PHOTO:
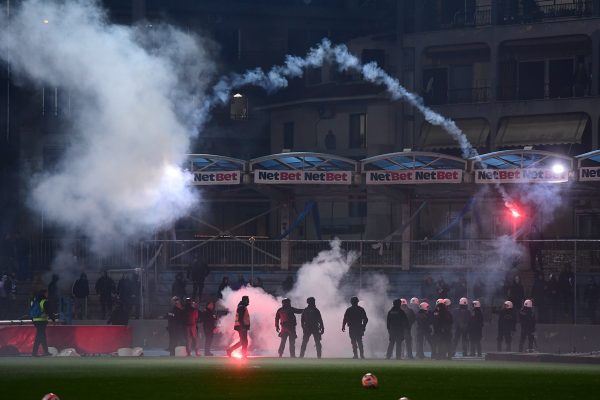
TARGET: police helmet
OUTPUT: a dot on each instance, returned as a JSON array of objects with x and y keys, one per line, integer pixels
[
  {"x": 354, "y": 300},
  {"x": 463, "y": 301},
  {"x": 528, "y": 303}
]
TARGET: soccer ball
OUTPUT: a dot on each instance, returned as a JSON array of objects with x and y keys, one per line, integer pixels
[
  {"x": 403, "y": 398},
  {"x": 369, "y": 381},
  {"x": 50, "y": 396}
]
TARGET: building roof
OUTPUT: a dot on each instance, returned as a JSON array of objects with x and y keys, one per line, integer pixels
[
  {"x": 211, "y": 162},
  {"x": 305, "y": 161},
  {"x": 412, "y": 160}
]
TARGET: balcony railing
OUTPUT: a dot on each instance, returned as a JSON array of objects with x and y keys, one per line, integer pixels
[
  {"x": 538, "y": 11},
  {"x": 548, "y": 91},
  {"x": 463, "y": 95}
]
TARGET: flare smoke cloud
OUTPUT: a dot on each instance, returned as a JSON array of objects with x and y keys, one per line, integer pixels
[
  {"x": 133, "y": 91},
  {"x": 324, "y": 278}
]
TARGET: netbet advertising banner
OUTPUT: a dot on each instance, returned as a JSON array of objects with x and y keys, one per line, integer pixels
[
  {"x": 217, "y": 178},
  {"x": 520, "y": 175},
  {"x": 589, "y": 174},
  {"x": 412, "y": 177},
  {"x": 303, "y": 177}
]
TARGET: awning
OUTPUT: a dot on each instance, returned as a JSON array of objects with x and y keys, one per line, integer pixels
[
  {"x": 541, "y": 129},
  {"x": 434, "y": 137}
]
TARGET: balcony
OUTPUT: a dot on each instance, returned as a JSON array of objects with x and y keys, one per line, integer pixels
[
  {"x": 540, "y": 11},
  {"x": 459, "y": 96}
]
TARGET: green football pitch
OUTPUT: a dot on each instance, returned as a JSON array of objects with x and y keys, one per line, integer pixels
[{"x": 264, "y": 378}]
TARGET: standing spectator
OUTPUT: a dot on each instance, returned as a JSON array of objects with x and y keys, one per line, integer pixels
[
  {"x": 407, "y": 336},
  {"x": 553, "y": 297},
  {"x": 397, "y": 325},
  {"x": 460, "y": 288},
  {"x": 506, "y": 325},
  {"x": 242, "y": 326},
  {"x": 209, "y": 323},
  {"x": 197, "y": 272},
  {"x": 535, "y": 248},
  {"x": 566, "y": 287},
  {"x": 190, "y": 312},
  {"x": 39, "y": 311},
  {"x": 527, "y": 321},
  {"x": 476, "y": 329},
  {"x": 356, "y": 319},
  {"x": 81, "y": 291},
  {"x": 442, "y": 289},
  {"x": 285, "y": 325},
  {"x": 178, "y": 287},
  {"x": 258, "y": 283},
  {"x": 222, "y": 286},
  {"x": 105, "y": 288},
  {"x": 175, "y": 325},
  {"x": 461, "y": 326},
  {"x": 11, "y": 288},
  {"x": 424, "y": 322},
  {"x": 125, "y": 292},
  {"x": 241, "y": 282},
  {"x": 591, "y": 293}
]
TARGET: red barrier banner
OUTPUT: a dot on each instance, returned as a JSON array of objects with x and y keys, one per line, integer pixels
[{"x": 85, "y": 339}]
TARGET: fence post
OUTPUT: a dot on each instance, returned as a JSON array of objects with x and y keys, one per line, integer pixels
[{"x": 575, "y": 282}]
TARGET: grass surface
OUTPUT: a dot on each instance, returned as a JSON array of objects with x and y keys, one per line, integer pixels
[{"x": 220, "y": 378}]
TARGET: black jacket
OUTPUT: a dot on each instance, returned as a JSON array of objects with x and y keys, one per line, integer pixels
[
  {"x": 462, "y": 317},
  {"x": 442, "y": 321},
  {"x": 476, "y": 325},
  {"x": 356, "y": 318},
  {"x": 311, "y": 320},
  {"x": 527, "y": 321},
  {"x": 506, "y": 321},
  {"x": 286, "y": 317},
  {"x": 81, "y": 288},
  {"x": 397, "y": 321},
  {"x": 424, "y": 321}
]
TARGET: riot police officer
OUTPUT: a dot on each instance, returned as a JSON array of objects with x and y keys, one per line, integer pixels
[
  {"x": 461, "y": 326},
  {"x": 506, "y": 325},
  {"x": 356, "y": 319},
  {"x": 397, "y": 325},
  {"x": 312, "y": 325},
  {"x": 424, "y": 321},
  {"x": 527, "y": 320},
  {"x": 476, "y": 329}
]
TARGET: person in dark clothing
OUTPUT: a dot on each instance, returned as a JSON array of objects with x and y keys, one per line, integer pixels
[
  {"x": 209, "y": 323},
  {"x": 461, "y": 326},
  {"x": 242, "y": 326},
  {"x": 81, "y": 291},
  {"x": 175, "y": 325},
  {"x": 424, "y": 322},
  {"x": 410, "y": 316},
  {"x": 178, "y": 287},
  {"x": 442, "y": 331},
  {"x": 442, "y": 289},
  {"x": 566, "y": 287},
  {"x": 224, "y": 284},
  {"x": 553, "y": 297},
  {"x": 287, "y": 284},
  {"x": 40, "y": 311},
  {"x": 476, "y": 329},
  {"x": 479, "y": 289},
  {"x": 285, "y": 325},
  {"x": 527, "y": 320},
  {"x": 428, "y": 288},
  {"x": 125, "y": 292},
  {"x": 506, "y": 325},
  {"x": 397, "y": 325},
  {"x": 312, "y": 325},
  {"x": 535, "y": 249},
  {"x": 119, "y": 315},
  {"x": 197, "y": 272},
  {"x": 105, "y": 288},
  {"x": 190, "y": 318},
  {"x": 356, "y": 319},
  {"x": 591, "y": 294}
]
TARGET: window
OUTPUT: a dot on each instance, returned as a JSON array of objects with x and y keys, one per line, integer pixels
[
  {"x": 288, "y": 135},
  {"x": 358, "y": 131}
]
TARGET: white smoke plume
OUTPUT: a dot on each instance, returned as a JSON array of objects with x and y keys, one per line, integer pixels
[
  {"x": 134, "y": 91},
  {"x": 324, "y": 279}
]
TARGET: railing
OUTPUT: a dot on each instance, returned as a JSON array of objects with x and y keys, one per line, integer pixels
[
  {"x": 548, "y": 91},
  {"x": 171, "y": 254},
  {"x": 540, "y": 11},
  {"x": 465, "y": 18}
]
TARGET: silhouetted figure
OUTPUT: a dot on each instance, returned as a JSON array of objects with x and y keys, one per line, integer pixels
[
  {"x": 506, "y": 325},
  {"x": 53, "y": 295},
  {"x": 40, "y": 309},
  {"x": 105, "y": 288},
  {"x": 476, "y": 329},
  {"x": 356, "y": 319},
  {"x": 287, "y": 284},
  {"x": 312, "y": 325},
  {"x": 242, "y": 326},
  {"x": 407, "y": 336},
  {"x": 516, "y": 292},
  {"x": 581, "y": 79},
  {"x": 81, "y": 291},
  {"x": 330, "y": 141},
  {"x": 285, "y": 325},
  {"x": 462, "y": 318},
  {"x": 527, "y": 320},
  {"x": 190, "y": 318},
  {"x": 424, "y": 322},
  {"x": 538, "y": 295},
  {"x": 178, "y": 288},
  {"x": 224, "y": 284},
  {"x": 209, "y": 323},
  {"x": 566, "y": 287},
  {"x": 197, "y": 272},
  {"x": 442, "y": 331},
  {"x": 397, "y": 325},
  {"x": 125, "y": 292},
  {"x": 175, "y": 324}
]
